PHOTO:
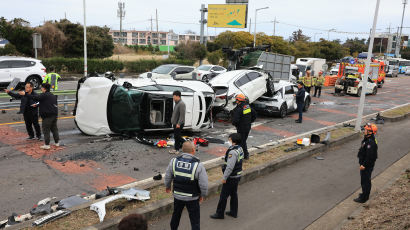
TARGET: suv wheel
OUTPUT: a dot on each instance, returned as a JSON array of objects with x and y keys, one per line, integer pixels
[
  {"x": 374, "y": 91},
  {"x": 35, "y": 81},
  {"x": 283, "y": 110},
  {"x": 270, "y": 88},
  {"x": 307, "y": 105}
]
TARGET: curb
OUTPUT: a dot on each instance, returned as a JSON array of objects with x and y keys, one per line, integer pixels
[
  {"x": 164, "y": 207},
  {"x": 397, "y": 118}
]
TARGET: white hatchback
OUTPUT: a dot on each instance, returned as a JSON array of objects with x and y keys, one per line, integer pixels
[
  {"x": 172, "y": 71},
  {"x": 25, "y": 69},
  {"x": 207, "y": 72}
]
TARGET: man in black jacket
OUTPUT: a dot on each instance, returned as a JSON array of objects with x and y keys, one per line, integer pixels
[
  {"x": 242, "y": 118},
  {"x": 300, "y": 101},
  {"x": 48, "y": 112},
  {"x": 367, "y": 158},
  {"x": 29, "y": 109}
]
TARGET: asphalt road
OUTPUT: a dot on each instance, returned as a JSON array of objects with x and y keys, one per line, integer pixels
[
  {"x": 89, "y": 164},
  {"x": 295, "y": 196}
]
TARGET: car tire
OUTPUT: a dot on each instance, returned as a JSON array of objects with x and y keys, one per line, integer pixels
[
  {"x": 270, "y": 88},
  {"x": 374, "y": 91},
  {"x": 380, "y": 85},
  {"x": 359, "y": 92},
  {"x": 36, "y": 81},
  {"x": 306, "y": 105},
  {"x": 338, "y": 90},
  {"x": 283, "y": 110}
]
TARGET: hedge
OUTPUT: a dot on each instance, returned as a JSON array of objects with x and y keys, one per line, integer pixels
[{"x": 76, "y": 65}]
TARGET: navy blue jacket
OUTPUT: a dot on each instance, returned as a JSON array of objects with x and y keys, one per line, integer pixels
[
  {"x": 300, "y": 96},
  {"x": 26, "y": 102}
]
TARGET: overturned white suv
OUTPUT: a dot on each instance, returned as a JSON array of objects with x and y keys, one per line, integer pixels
[{"x": 130, "y": 106}]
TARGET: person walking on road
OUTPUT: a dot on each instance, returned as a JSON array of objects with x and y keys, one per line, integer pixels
[
  {"x": 367, "y": 158},
  {"x": 307, "y": 81},
  {"x": 48, "y": 112},
  {"x": 232, "y": 170},
  {"x": 178, "y": 121},
  {"x": 52, "y": 79},
  {"x": 318, "y": 84},
  {"x": 300, "y": 101},
  {"x": 190, "y": 185},
  {"x": 242, "y": 118},
  {"x": 29, "y": 109}
]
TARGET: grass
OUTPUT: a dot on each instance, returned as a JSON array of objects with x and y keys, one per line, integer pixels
[
  {"x": 85, "y": 217},
  {"x": 135, "y": 57},
  {"x": 397, "y": 112}
]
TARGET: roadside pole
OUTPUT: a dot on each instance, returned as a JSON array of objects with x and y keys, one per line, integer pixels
[
  {"x": 203, "y": 22},
  {"x": 366, "y": 71},
  {"x": 85, "y": 42}
]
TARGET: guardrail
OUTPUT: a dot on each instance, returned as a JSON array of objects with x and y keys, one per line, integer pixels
[
  {"x": 65, "y": 102},
  {"x": 58, "y": 92}
]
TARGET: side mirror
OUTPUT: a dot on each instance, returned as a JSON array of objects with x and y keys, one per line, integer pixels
[
  {"x": 173, "y": 75},
  {"x": 149, "y": 75}
]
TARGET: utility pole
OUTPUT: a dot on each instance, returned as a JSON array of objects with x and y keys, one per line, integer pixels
[
  {"x": 274, "y": 27},
  {"x": 254, "y": 35},
  {"x": 121, "y": 15},
  {"x": 202, "y": 29},
  {"x": 398, "y": 45},
  {"x": 250, "y": 25},
  {"x": 328, "y": 33},
  {"x": 366, "y": 71},
  {"x": 85, "y": 42},
  {"x": 151, "y": 31},
  {"x": 156, "y": 18}
]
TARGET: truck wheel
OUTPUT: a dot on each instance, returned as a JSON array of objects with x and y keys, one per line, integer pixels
[
  {"x": 307, "y": 105},
  {"x": 380, "y": 85},
  {"x": 338, "y": 90},
  {"x": 270, "y": 88},
  {"x": 283, "y": 110},
  {"x": 374, "y": 91},
  {"x": 359, "y": 92},
  {"x": 35, "y": 81}
]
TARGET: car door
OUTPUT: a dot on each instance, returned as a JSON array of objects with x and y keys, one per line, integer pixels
[
  {"x": 5, "y": 76},
  {"x": 20, "y": 69},
  {"x": 289, "y": 98},
  {"x": 258, "y": 84}
]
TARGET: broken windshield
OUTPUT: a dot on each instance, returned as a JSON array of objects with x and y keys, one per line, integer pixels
[
  {"x": 123, "y": 110},
  {"x": 163, "y": 69}
]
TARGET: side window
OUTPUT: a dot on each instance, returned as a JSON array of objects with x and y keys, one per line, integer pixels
[
  {"x": 289, "y": 90},
  {"x": 253, "y": 75},
  {"x": 242, "y": 81},
  {"x": 189, "y": 69},
  {"x": 4, "y": 64},
  {"x": 295, "y": 89},
  {"x": 183, "y": 70},
  {"x": 20, "y": 64}
]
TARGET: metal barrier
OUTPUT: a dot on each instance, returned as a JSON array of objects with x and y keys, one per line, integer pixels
[{"x": 9, "y": 105}]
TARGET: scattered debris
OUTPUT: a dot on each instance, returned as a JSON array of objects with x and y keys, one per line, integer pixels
[
  {"x": 319, "y": 158},
  {"x": 70, "y": 202},
  {"x": 136, "y": 169},
  {"x": 292, "y": 148},
  {"x": 157, "y": 177},
  {"x": 119, "y": 207},
  {"x": 51, "y": 217},
  {"x": 314, "y": 138},
  {"x": 141, "y": 194},
  {"x": 3, "y": 111},
  {"x": 99, "y": 207},
  {"x": 327, "y": 139},
  {"x": 41, "y": 209},
  {"x": 379, "y": 119},
  {"x": 348, "y": 125}
]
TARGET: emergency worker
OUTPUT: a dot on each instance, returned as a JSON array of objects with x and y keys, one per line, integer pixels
[
  {"x": 52, "y": 79},
  {"x": 367, "y": 158},
  {"x": 318, "y": 84},
  {"x": 232, "y": 170},
  {"x": 307, "y": 82},
  {"x": 190, "y": 185},
  {"x": 242, "y": 118}
]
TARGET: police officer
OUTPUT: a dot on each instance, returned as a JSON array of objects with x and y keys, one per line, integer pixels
[
  {"x": 319, "y": 83},
  {"x": 367, "y": 157},
  {"x": 300, "y": 101},
  {"x": 52, "y": 79},
  {"x": 190, "y": 185},
  {"x": 232, "y": 170},
  {"x": 307, "y": 81},
  {"x": 242, "y": 118}
]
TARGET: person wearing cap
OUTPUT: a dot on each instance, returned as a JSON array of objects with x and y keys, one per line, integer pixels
[
  {"x": 300, "y": 101},
  {"x": 190, "y": 185},
  {"x": 242, "y": 118},
  {"x": 367, "y": 158},
  {"x": 319, "y": 83},
  {"x": 232, "y": 171}
]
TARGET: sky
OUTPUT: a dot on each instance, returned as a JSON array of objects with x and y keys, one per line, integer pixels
[{"x": 183, "y": 15}]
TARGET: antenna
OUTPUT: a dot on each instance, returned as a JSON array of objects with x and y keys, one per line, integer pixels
[{"x": 121, "y": 15}]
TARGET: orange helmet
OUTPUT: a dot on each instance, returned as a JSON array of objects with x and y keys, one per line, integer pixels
[
  {"x": 240, "y": 97},
  {"x": 371, "y": 128}
]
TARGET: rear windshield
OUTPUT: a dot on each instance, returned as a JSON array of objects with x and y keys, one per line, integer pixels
[
  {"x": 220, "y": 90},
  {"x": 124, "y": 110},
  {"x": 163, "y": 69},
  {"x": 205, "y": 67}
]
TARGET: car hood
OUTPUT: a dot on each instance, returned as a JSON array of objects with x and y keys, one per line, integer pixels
[{"x": 154, "y": 75}]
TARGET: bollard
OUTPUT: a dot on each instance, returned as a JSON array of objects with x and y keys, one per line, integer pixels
[{"x": 65, "y": 104}]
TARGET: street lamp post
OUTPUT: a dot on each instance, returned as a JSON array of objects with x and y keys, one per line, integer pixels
[
  {"x": 366, "y": 70},
  {"x": 398, "y": 46},
  {"x": 314, "y": 36},
  {"x": 328, "y": 33},
  {"x": 254, "y": 34},
  {"x": 85, "y": 42}
]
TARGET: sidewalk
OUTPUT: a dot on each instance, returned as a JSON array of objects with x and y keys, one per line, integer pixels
[{"x": 295, "y": 196}]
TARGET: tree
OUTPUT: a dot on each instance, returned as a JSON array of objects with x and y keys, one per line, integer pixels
[
  {"x": 99, "y": 42},
  {"x": 355, "y": 45},
  {"x": 298, "y": 36},
  {"x": 212, "y": 46},
  {"x": 277, "y": 44},
  {"x": 405, "y": 53},
  {"x": 74, "y": 45},
  {"x": 53, "y": 40},
  {"x": 329, "y": 50},
  {"x": 19, "y": 33},
  {"x": 9, "y": 49},
  {"x": 190, "y": 50},
  {"x": 215, "y": 57},
  {"x": 234, "y": 40}
]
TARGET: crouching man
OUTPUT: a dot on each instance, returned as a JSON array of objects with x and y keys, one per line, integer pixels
[{"x": 190, "y": 185}]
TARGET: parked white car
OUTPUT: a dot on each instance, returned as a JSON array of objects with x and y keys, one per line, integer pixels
[
  {"x": 25, "y": 69},
  {"x": 139, "y": 105},
  {"x": 354, "y": 86},
  {"x": 172, "y": 71},
  {"x": 408, "y": 71},
  {"x": 282, "y": 102},
  {"x": 251, "y": 83},
  {"x": 207, "y": 72}
]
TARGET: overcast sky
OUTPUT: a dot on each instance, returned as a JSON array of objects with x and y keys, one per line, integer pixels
[{"x": 182, "y": 15}]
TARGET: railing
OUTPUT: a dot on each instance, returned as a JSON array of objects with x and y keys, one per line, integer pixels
[{"x": 16, "y": 104}]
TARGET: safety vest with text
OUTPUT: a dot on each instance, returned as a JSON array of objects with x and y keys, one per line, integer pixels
[
  {"x": 184, "y": 170},
  {"x": 237, "y": 170}
]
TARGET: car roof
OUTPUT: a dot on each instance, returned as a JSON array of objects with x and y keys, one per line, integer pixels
[
  {"x": 176, "y": 65},
  {"x": 226, "y": 77},
  {"x": 282, "y": 84},
  {"x": 17, "y": 58}
]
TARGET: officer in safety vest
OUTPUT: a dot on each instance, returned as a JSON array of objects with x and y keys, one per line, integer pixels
[
  {"x": 52, "y": 79},
  {"x": 242, "y": 118},
  {"x": 367, "y": 158},
  {"x": 190, "y": 185},
  {"x": 319, "y": 83},
  {"x": 307, "y": 81},
  {"x": 232, "y": 170}
]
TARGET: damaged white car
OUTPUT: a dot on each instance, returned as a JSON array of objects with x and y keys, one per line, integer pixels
[{"x": 130, "y": 106}]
